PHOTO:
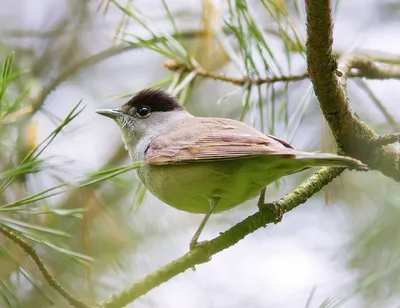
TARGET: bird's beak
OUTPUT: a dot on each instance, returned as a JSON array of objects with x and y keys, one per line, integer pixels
[{"x": 110, "y": 113}]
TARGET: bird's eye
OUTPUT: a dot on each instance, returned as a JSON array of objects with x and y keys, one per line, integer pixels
[{"x": 143, "y": 112}]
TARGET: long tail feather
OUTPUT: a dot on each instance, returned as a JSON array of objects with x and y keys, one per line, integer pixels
[{"x": 325, "y": 159}]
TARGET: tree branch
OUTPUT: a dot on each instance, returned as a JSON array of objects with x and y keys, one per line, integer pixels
[
  {"x": 388, "y": 139},
  {"x": 29, "y": 250},
  {"x": 204, "y": 251},
  {"x": 376, "y": 56},
  {"x": 239, "y": 81},
  {"x": 353, "y": 136},
  {"x": 365, "y": 68}
]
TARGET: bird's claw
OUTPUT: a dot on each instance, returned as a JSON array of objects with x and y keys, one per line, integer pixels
[
  {"x": 200, "y": 245},
  {"x": 195, "y": 244},
  {"x": 272, "y": 208}
]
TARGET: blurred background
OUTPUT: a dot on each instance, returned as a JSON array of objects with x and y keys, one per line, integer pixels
[{"x": 340, "y": 249}]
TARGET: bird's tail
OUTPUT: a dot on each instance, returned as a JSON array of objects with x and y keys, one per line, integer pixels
[{"x": 325, "y": 159}]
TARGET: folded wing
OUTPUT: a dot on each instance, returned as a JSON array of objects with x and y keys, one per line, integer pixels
[{"x": 205, "y": 139}]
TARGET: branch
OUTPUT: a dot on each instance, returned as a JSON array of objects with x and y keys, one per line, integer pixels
[
  {"x": 365, "y": 68},
  {"x": 203, "y": 252},
  {"x": 388, "y": 139},
  {"x": 42, "y": 268},
  {"x": 353, "y": 136},
  {"x": 175, "y": 66},
  {"x": 376, "y": 56}
]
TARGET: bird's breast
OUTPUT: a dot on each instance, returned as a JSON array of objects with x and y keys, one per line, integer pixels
[{"x": 189, "y": 187}]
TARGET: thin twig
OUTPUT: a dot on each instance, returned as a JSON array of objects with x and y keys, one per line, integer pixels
[
  {"x": 375, "y": 55},
  {"x": 42, "y": 268},
  {"x": 388, "y": 139},
  {"x": 239, "y": 81},
  {"x": 204, "y": 251},
  {"x": 367, "y": 68}
]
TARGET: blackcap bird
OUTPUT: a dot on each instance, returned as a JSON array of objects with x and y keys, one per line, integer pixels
[{"x": 205, "y": 165}]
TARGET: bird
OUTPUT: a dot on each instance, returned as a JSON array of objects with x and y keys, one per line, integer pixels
[{"x": 206, "y": 165}]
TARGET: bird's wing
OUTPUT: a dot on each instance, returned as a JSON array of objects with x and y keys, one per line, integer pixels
[{"x": 204, "y": 139}]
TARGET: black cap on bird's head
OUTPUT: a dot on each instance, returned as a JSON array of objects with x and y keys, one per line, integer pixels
[
  {"x": 143, "y": 103},
  {"x": 156, "y": 99}
]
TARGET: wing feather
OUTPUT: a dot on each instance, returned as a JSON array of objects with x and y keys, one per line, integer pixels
[{"x": 205, "y": 139}]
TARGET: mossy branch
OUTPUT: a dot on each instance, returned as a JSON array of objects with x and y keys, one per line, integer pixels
[{"x": 353, "y": 136}]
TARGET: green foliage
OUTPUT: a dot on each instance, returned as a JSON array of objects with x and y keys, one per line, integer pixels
[{"x": 18, "y": 213}]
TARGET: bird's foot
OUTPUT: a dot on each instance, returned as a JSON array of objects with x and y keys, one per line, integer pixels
[
  {"x": 273, "y": 208},
  {"x": 200, "y": 245},
  {"x": 194, "y": 244}
]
